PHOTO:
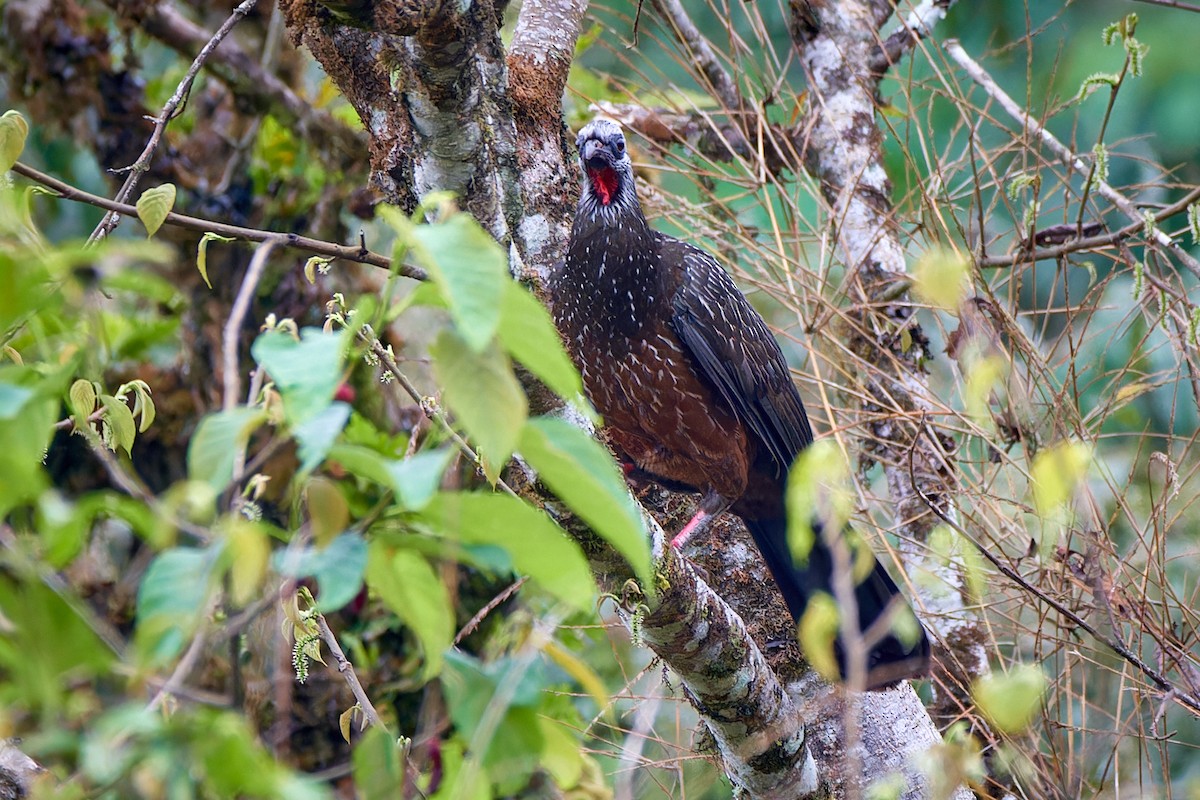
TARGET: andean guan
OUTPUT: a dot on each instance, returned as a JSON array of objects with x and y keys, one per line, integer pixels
[{"x": 694, "y": 389}]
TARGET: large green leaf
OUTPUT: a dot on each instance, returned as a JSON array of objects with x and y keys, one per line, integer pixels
[
  {"x": 317, "y": 434},
  {"x": 469, "y": 267},
  {"x": 26, "y": 427},
  {"x": 217, "y": 440},
  {"x": 484, "y": 394},
  {"x": 171, "y": 598},
  {"x": 413, "y": 479},
  {"x": 538, "y": 547},
  {"x": 410, "y": 587},
  {"x": 416, "y": 478},
  {"x": 472, "y": 688},
  {"x": 13, "y": 399},
  {"x": 13, "y": 131},
  {"x": 528, "y": 334},
  {"x": 585, "y": 477},
  {"x": 378, "y": 766},
  {"x": 338, "y": 568},
  {"x": 307, "y": 373},
  {"x": 47, "y": 649},
  {"x": 154, "y": 205}
]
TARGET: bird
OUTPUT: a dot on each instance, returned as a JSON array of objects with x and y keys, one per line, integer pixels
[{"x": 695, "y": 392}]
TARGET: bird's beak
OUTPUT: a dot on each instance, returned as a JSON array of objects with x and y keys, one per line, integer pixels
[{"x": 595, "y": 154}]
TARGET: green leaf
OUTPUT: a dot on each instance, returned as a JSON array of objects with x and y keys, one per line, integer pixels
[
  {"x": 415, "y": 479},
  {"x": 561, "y": 755},
  {"x": 13, "y": 399},
  {"x": 317, "y": 434},
  {"x": 472, "y": 689},
  {"x": 1010, "y": 700},
  {"x": 817, "y": 491},
  {"x": 363, "y": 462},
  {"x": 818, "y": 630},
  {"x": 119, "y": 419},
  {"x": 483, "y": 393},
  {"x": 216, "y": 443},
  {"x": 202, "y": 253},
  {"x": 467, "y": 264},
  {"x": 1056, "y": 472},
  {"x": 327, "y": 510},
  {"x": 584, "y": 476},
  {"x": 338, "y": 569},
  {"x": 528, "y": 334},
  {"x": 82, "y": 398},
  {"x": 172, "y": 597},
  {"x": 154, "y": 205},
  {"x": 307, "y": 373},
  {"x": 538, "y": 547},
  {"x": 26, "y": 427},
  {"x": 409, "y": 586},
  {"x": 48, "y": 650},
  {"x": 942, "y": 278},
  {"x": 378, "y": 761},
  {"x": 13, "y": 132},
  {"x": 249, "y": 549}
]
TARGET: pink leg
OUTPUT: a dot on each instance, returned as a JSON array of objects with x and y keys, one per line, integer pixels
[{"x": 697, "y": 522}]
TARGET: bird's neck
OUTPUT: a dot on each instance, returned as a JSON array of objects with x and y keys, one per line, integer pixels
[{"x": 613, "y": 268}]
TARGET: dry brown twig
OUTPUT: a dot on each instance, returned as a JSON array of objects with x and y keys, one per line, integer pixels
[
  {"x": 137, "y": 168},
  {"x": 358, "y": 254}
]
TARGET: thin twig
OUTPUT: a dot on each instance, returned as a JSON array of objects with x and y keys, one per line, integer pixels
[
  {"x": 1186, "y": 700},
  {"x": 702, "y": 53},
  {"x": 182, "y": 669},
  {"x": 1173, "y": 4},
  {"x": 1023, "y": 256},
  {"x": 480, "y": 615},
  {"x": 347, "y": 670},
  {"x": 52, "y": 580},
  {"x": 246, "y": 76},
  {"x": 916, "y": 26},
  {"x": 241, "y": 305},
  {"x": 142, "y": 165},
  {"x": 1032, "y": 126},
  {"x": 319, "y": 247},
  {"x": 389, "y": 363},
  {"x": 132, "y": 485}
]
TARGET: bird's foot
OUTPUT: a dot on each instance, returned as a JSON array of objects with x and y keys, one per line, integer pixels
[{"x": 697, "y": 523}]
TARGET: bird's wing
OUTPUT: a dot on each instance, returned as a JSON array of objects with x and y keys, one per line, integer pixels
[{"x": 735, "y": 351}]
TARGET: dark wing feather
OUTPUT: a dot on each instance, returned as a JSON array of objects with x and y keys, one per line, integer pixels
[{"x": 734, "y": 350}]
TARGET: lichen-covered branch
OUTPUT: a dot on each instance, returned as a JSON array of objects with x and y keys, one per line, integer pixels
[
  {"x": 845, "y": 154},
  {"x": 543, "y": 46}
]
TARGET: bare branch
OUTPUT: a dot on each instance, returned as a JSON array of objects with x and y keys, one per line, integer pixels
[
  {"x": 111, "y": 221},
  {"x": 1171, "y": 692},
  {"x": 701, "y": 51},
  {"x": 231, "y": 373},
  {"x": 316, "y": 246},
  {"x": 1030, "y": 125},
  {"x": 347, "y": 669},
  {"x": 247, "y": 77},
  {"x": 916, "y": 26}
]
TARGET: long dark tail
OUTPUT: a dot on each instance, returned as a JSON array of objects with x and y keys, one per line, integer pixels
[{"x": 889, "y": 660}]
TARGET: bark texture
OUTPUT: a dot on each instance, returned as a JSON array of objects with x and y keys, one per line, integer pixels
[
  {"x": 445, "y": 108},
  {"x": 843, "y": 149}
]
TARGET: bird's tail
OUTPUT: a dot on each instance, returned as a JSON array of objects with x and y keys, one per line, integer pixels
[{"x": 892, "y": 657}]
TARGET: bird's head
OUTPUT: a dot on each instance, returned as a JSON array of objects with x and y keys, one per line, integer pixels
[{"x": 606, "y": 165}]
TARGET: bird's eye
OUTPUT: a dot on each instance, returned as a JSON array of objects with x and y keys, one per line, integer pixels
[{"x": 620, "y": 145}]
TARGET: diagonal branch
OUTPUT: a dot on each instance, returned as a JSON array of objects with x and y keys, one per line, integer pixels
[
  {"x": 135, "y": 170},
  {"x": 319, "y": 247},
  {"x": 1126, "y": 206},
  {"x": 246, "y": 76},
  {"x": 701, "y": 50}
]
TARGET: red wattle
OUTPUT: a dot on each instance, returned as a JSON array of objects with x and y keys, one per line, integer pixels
[{"x": 604, "y": 182}]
